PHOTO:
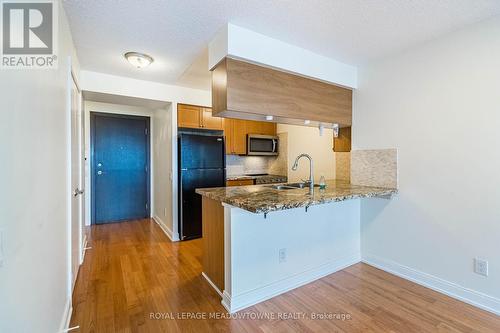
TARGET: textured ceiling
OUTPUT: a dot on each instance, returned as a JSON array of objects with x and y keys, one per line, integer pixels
[{"x": 176, "y": 32}]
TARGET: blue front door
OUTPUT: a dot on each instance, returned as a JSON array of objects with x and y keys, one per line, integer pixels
[{"x": 120, "y": 167}]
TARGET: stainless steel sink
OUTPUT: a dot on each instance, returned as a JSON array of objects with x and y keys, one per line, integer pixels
[
  {"x": 284, "y": 187},
  {"x": 291, "y": 186}
]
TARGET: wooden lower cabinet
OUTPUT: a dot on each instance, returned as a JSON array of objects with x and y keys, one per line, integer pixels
[
  {"x": 242, "y": 182},
  {"x": 213, "y": 241}
]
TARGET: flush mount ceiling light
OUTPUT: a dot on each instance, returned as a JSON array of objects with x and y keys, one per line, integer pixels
[{"x": 139, "y": 60}]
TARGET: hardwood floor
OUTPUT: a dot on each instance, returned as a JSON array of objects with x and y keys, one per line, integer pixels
[{"x": 135, "y": 280}]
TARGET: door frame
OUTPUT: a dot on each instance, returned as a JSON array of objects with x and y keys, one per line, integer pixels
[
  {"x": 71, "y": 246},
  {"x": 93, "y": 117}
]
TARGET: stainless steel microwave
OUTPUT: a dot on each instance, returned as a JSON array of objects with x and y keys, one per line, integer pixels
[{"x": 262, "y": 144}]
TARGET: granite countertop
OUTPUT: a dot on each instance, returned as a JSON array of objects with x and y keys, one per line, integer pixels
[
  {"x": 260, "y": 179},
  {"x": 264, "y": 199}
]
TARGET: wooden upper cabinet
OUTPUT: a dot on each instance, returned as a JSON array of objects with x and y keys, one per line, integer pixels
[
  {"x": 210, "y": 122},
  {"x": 239, "y": 139},
  {"x": 260, "y": 127},
  {"x": 188, "y": 116},
  {"x": 192, "y": 116},
  {"x": 268, "y": 128},
  {"x": 343, "y": 142},
  {"x": 235, "y": 130},
  {"x": 228, "y": 133},
  {"x": 243, "y": 90}
]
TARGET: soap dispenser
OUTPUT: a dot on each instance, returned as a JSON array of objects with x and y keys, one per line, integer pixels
[{"x": 322, "y": 183}]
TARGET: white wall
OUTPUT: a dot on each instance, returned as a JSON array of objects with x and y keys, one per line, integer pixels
[
  {"x": 303, "y": 139},
  {"x": 124, "y": 86},
  {"x": 240, "y": 43},
  {"x": 163, "y": 172},
  {"x": 439, "y": 105},
  {"x": 318, "y": 242},
  {"x": 35, "y": 193}
]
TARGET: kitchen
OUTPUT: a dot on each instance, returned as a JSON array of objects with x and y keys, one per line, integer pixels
[
  {"x": 214, "y": 166},
  {"x": 247, "y": 207}
]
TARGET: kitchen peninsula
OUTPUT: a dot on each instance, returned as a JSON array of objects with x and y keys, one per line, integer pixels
[{"x": 263, "y": 240}]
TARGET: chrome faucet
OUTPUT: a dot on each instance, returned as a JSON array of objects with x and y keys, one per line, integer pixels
[{"x": 311, "y": 170}]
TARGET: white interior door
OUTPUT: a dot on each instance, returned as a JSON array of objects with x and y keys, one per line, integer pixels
[{"x": 76, "y": 180}]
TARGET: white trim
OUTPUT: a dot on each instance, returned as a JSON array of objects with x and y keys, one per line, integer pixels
[
  {"x": 238, "y": 302},
  {"x": 173, "y": 176},
  {"x": 69, "y": 190},
  {"x": 84, "y": 248},
  {"x": 226, "y": 301},
  {"x": 173, "y": 237},
  {"x": 210, "y": 282},
  {"x": 451, "y": 289},
  {"x": 66, "y": 317}
]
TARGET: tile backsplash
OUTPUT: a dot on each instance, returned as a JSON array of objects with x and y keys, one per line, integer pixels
[
  {"x": 376, "y": 167},
  {"x": 240, "y": 165}
]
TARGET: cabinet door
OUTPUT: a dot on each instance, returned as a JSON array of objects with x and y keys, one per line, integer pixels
[
  {"x": 241, "y": 182},
  {"x": 210, "y": 122},
  {"x": 228, "y": 133},
  {"x": 268, "y": 128},
  {"x": 260, "y": 127},
  {"x": 188, "y": 116},
  {"x": 239, "y": 136},
  {"x": 343, "y": 142},
  {"x": 253, "y": 127}
]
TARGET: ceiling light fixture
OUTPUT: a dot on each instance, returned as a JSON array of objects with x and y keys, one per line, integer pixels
[
  {"x": 269, "y": 118},
  {"x": 139, "y": 60}
]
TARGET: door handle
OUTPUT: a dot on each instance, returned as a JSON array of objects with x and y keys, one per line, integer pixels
[
  {"x": 99, "y": 172},
  {"x": 78, "y": 191}
]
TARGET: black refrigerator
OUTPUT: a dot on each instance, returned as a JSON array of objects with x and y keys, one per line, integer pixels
[{"x": 202, "y": 163}]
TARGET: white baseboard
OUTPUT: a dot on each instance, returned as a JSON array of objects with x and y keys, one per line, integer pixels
[
  {"x": 66, "y": 317},
  {"x": 211, "y": 283},
  {"x": 451, "y": 289},
  {"x": 173, "y": 237},
  {"x": 236, "y": 303},
  {"x": 84, "y": 251}
]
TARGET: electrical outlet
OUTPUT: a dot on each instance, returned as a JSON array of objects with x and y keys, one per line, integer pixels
[
  {"x": 481, "y": 266},
  {"x": 282, "y": 256}
]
